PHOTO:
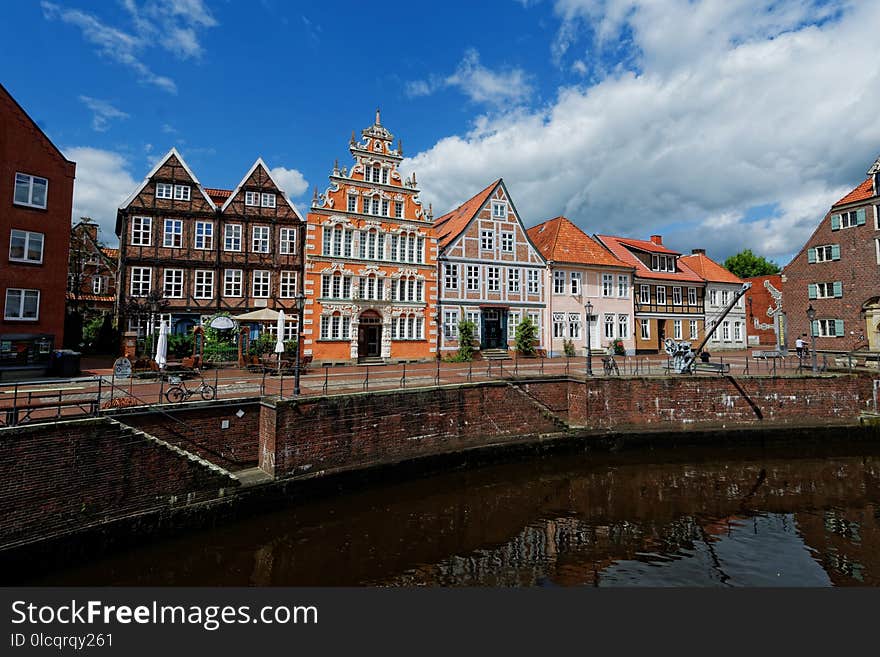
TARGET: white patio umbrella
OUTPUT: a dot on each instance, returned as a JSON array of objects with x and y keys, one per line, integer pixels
[
  {"x": 162, "y": 346},
  {"x": 279, "y": 340}
]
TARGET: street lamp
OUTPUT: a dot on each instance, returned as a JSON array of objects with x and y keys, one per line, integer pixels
[
  {"x": 811, "y": 315},
  {"x": 589, "y": 309},
  {"x": 300, "y": 304}
]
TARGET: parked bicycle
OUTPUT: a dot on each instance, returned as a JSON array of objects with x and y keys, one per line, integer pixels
[
  {"x": 609, "y": 365},
  {"x": 179, "y": 392}
]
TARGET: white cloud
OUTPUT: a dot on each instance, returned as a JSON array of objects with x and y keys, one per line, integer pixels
[
  {"x": 290, "y": 181},
  {"x": 477, "y": 82},
  {"x": 102, "y": 112},
  {"x": 102, "y": 183},
  {"x": 741, "y": 105}
]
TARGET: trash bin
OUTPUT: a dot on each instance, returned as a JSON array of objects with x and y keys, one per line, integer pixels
[{"x": 65, "y": 362}]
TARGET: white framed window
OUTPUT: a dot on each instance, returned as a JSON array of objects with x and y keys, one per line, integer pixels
[
  {"x": 287, "y": 284},
  {"x": 261, "y": 287},
  {"x": 232, "y": 282},
  {"x": 335, "y": 286},
  {"x": 173, "y": 234},
  {"x": 644, "y": 294},
  {"x": 825, "y": 290},
  {"x": 558, "y": 282},
  {"x": 662, "y": 262},
  {"x": 165, "y": 191},
  {"x": 694, "y": 334},
  {"x": 232, "y": 237},
  {"x": 622, "y": 286},
  {"x": 141, "y": 281},
  {"x": 661, "y": 295},
  {"x": 692, "y": 296},
  {"x": 371, "y": 287},
  {"x": 851, "y": 218},
  {"x": 725, "y": 331},
  {"x": 710, "y": 325},
  {"x": 100, "y": 284},
  {"x": 22, "y": 304},
  {"x": 513, "y": 280},
  {"x": 260, "y": 239},
  {"x": 25, "y": 246},
  {"x": 337, "y": 241},
  {"x": 335, "y": 327},
  {"x": 737, "y": 332},
  {"x": 645, "y": 328},
  {"x": 366, "y": 206},
  {"x": 493, "y": 279},
  {"x": 576, "y": 283},
  {"x": 623, "y": 326},
  {"x": 534, "y": 281},
  {"x": 473, "y": 316},
  {"x": 204, "y": 284},
  {"x": 287, "y": 241},
  {"x": 713, "y": 297},
  {"x": 499, "y": 210},
  {"x": 608, "y": 324},
  {"x": 507, "y": 242},
  {"x": 252, "y": 199},
  {"x": 725, "y": 297},
  {"x": 398, "y": 209},
  {"x": 31, "y": 191},
  {"x": 450, "y": 278},
  {"x": 676, "y": 296},
  {"x": 676, "y": 329},
  {"x": 267, "y": 200},
  {"x": 825, "y": 253},
  {"x": 204, "y": 235},
  {"x": 512, "y": 322},
  {"x": 535, "y": 318},
  {"x": 352, "y": 203},
  {"x": 828, "y": 328},
  {"x": 473, "y": 277},
  {"x": 558, "y": 325},
  {"x": 450, "y": 324},
  {"x": 374, "y": 206},
  {"x": 487, "y": 240},
  {"x": 384, "y": 207},
  {"x": 181, "y": 192},
  {"x": 607, "y": 285},
  {"x": 141, "y": 231},
  {"x": 172, "y": 285}
]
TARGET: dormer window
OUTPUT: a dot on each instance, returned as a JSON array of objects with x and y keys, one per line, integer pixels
[
  {"x": 662, "y": 263},
  {"x": 499, "y": 210},
  {"x": 181, "y": 192},
  {"x": 252, "y": 198},
  {"x": 267, "y": 200}
]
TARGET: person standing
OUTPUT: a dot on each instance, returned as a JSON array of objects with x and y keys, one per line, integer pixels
[{"x": 799, "y": 347}]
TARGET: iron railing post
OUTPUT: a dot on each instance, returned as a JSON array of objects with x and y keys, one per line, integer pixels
[
  {"x": 403, "y": 378},
  {"x": 326, "y": 378}
]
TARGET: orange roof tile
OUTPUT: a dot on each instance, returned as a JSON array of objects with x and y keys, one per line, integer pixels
[
  {"x": 218, "y": 194},
  {"x": 560, "y": 240},
  {"x": 618, "y": 246},
  {"x": 451, "y": 224},
  {"x": 708, "y": 269},
  {"x": 861, "y": 193},
  {"x": 113, "y": 254},
  {"x": 92, "y": 297}
]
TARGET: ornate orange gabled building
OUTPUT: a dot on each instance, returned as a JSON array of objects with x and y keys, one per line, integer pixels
[{"x": 371, "y": 259}]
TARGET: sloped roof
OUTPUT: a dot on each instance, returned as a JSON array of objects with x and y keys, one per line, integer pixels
[
  {"x": 618, "y": 246},
  {"x": 559, "y": 240},
  {"x": 91, "y": 297},
  {"x": 218, "y": 195},
  {"x": 113, "y": 254},
  {"x": 259, "y": 163},
  {"x": 451, "y": 224},
  {"x": 172, "y": 153},
  {"x": 708, "y": 269},
  {"x": 861, "y": 193}
]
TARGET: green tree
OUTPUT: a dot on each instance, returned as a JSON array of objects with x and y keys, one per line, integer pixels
[
  {"x": 466, "y": 332},
  {"x": 526, "y": 337},
  {"x": 746, "y": 264}
]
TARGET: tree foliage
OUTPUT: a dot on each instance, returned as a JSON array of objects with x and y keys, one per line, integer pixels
[
  {"x": 466, "y": 332},
  {"x": 746, "y": 264},
  {"x": 526, "y": 337}
]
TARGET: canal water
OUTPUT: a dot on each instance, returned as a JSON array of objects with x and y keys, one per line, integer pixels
[{"x": 695, "y": 517}]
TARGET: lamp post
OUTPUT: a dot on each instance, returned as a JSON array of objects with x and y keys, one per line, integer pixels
[
  {"x": 300, "y": 304},
  {"x": 589, "y": 308},
  {"x": 811, "y": 315}
]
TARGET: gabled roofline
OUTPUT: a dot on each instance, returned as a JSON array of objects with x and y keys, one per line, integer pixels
[
  {"x": 34, "y": 123},
  {"x": 259, "y": 162},
  {"x": 155, "y": 170}
]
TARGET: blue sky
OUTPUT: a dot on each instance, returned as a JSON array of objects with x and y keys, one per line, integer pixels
[{"x": 720, "y": 124}]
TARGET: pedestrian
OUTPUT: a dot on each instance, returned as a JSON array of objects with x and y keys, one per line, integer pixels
[{"x": 799, "y": 346}]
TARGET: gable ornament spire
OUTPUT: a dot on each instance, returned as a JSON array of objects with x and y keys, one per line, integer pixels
[{"x": 378, "y": 121}]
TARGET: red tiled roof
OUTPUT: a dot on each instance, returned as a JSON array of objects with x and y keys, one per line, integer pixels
[
  {"x": 92, "y": 297},
  {"x": 450, "y": 225},
  {"x": 708, "y": 269},
  {"x": 560, "y": 240},
  {"x": 618, "y": 246},
  {"x": 113, "y": 254},
  {"x": 861, "y": 193},
  {"x": 218, "y": 195}
]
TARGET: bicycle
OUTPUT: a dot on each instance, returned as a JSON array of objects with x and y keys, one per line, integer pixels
[
  {"x": 609, "y": 365},
  {"x": 179, "y": 392}
]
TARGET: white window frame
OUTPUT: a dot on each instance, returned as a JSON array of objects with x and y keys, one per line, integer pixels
[
  {"x": 232, "y": 236},
  {"x": 607, "y": 285},
  {"x": 100, "y": 284},
  {"x": 28, "y": 236},
  {"x": 398, "y": 209},
  {"x": 575, "y": 283},
  {"x": 252, "y": 199},
  {"x": 827, "y": 252},
  {"x": 351, "y": 203},
  {"x": 450, "y": 324},
  {"x": 508, "y": 239},
  {"x": 204, "y": 235},
  {"x": 203, "y": 287},
  {"x": 287, "y": 284},
  {"x": 694, "y": 330},
  {"x": 676, "y": 296},
  {"x": 677, "y": 329},
  {"x": 267, "y": 200},
  {"x": 172, "y": 283},
  {"x": 499, "y": 209},
  {"x": 660, "y": 292},
  {"x": 558, "y": 282},
  {"x": 30, "y": 181},
  {"x": 487, "y": 240},
  {"x": 559, "y": 325},
  {"x": 644, "y": 293},
  {"x": 261, "y": 284},
  {"x": 233, "y": 283},
  {"x": 141, "y": 231},
  {"x": 287, "y": 241},
  {"x": 172, "y": 239},
  {"x": 608, "y": 320},
  {"x": 493, "y": 279},
  {"x": 450, "y": 279},
  {"x": 623, "y": 326},
  {"x": 165, "y": 191},
  {"x": 692, "y": 296},
  {"x": 513, "y": 280},
  {"x": 623, "y": 286},
  {"x": 534, "y": 281},
  {"x": 140, "y": 280},
  {"x": 645, "y": 329},
  {"x": 24, "y": 294},
  {"x": 182, "y": 193},
  {"x": 473, "y": 278},
  {"x": 260, "y": 239}
]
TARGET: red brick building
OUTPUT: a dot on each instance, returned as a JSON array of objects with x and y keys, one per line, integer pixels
[
  {"x": 765, "y": 317},
  {"x": 36, "y": 200},
  {"x": 838, "y": 272}
]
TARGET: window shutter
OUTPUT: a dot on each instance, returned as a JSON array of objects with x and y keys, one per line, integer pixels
[
  {"x": 811, "y": 289},
  {"x": 838, "y": 327},
  {"x": 815, "y": 327},
  {"x": 838, "y": 289},
  {"x": 835, "y": 251},
  {"x": 835, "y": 222},
  {"x": 860, "y": 217},
  {"x": 811, "y": 255}
]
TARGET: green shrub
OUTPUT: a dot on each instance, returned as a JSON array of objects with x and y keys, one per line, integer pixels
[
  {"x": 619, "y": 348},
  {"x": 526, "y": 337},
  {"x": 568, "y": 348},
  {"x": 466, "y": 332},
  {"x": 180, "y": 346}
]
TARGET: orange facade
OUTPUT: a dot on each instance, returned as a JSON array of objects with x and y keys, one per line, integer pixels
[{"x": 371, "y": 261}]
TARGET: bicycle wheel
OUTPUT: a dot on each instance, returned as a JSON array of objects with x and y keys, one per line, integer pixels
[
  {"x": 175, "y": 394},
  {"x": 208, "y": 392}
]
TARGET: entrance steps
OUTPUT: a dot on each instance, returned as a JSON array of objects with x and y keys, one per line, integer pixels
[
  {"x": 371, "y": 360},
  {"x": 494, "y": 354}
]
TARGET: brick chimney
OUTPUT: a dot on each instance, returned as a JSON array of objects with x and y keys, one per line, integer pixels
[
  {"x": 698, "y": 251},
  {"x": 657, "y": 239}
]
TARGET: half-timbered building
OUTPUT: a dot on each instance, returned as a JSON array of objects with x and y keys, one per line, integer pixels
[
  {"x": 490, "y": 272},
  {"x": 371, "y": 278},
  {"x": 187, "y": 252}
]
